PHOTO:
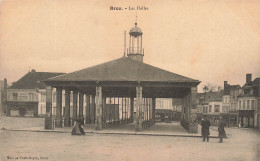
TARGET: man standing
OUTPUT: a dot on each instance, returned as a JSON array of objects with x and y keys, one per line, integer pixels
[{"x": 205, "y": 124}]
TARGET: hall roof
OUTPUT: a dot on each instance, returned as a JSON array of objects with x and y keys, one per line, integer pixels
[{"x": 123, "y": 69}]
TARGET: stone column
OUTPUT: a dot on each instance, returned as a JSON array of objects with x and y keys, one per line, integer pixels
[
  {"x": 88, "y": 119},
  {"x": 98, "y": 108},
  {"x": 75, "y": 105},
  {"x": 104, "y": 111},
  {"x": 92, "y": 109},
  {"x": 131, "y": 109},
  {"x": 48, "y": 119},
  {"x": 153, "y": 108},
  {"x": 49, "y": 101},
  {"x": 67, "y": 108},
  {"x": 81, "y": 106},
  {"x": 192, "y": 117},
  {"x": 138, "y": 116},
  {"x": 58, "y": 107}
]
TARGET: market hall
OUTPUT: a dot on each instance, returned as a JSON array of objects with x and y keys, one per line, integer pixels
[{"x": 122, "y": 91}]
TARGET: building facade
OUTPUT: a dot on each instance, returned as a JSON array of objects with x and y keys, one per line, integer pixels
[
  {"x": 210, "y": 104},
  {"x": 27, "y": 96},
  {"x": 168, "y": 109},
  {"x": 249, "y": 103},
  {"x": 230, "y": 103},
  {"x": 3, "y": 96}
]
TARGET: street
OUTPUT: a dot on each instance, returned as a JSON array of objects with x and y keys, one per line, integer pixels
[{"x": 241, "y": 145}]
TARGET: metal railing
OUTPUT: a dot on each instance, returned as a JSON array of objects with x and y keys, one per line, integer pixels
[{"x": 135, "y": 51}]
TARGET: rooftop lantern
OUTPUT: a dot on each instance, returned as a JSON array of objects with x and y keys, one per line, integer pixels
[{"x": 135, "y": 51}]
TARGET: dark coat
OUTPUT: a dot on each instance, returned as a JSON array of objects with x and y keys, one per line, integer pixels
[
  {"x": 205, "y": 127},
  {"x": 221, "y": 130}
]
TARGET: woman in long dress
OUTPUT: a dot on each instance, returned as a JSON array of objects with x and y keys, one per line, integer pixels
[
  {"x": 75, "y": 130},
  {"x": 221, "y": 130}
]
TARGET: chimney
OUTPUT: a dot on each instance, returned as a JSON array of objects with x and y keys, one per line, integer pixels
[
  {"x": 5, "y": 84},
  {"x": 225, "y": 87},
  {"x": 248, "y": 78}
]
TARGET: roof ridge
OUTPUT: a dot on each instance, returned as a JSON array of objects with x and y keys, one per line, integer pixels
[
  {"x": 123, "y": 69},
  {"x": 85, "y": 68},
  {"x": 169, "y": 71}
]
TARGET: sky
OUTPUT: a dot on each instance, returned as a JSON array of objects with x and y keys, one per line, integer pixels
[{"x": 209, "y": 40}]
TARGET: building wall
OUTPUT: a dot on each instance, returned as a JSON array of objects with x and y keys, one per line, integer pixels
[
  {"x": 42, "y": 102},
  {"x": 247, "y": 103},
  {"x": 215, "y": 108},
  {"x": 164, "y": 103},
  {"x": 23, "y": 95},
  {"x": 22, "y": 99},
  {"x": 226, "y": 103}
]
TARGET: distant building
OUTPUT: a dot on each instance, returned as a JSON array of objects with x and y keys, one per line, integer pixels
[
  {"x": 27, "y": 96},
  {"x": 3, "y": 94},
  {"x": 210, "y": 104},
  {"x": 168, "y": 109},
  {"x": 163, "y": 110},
  {"x": 249, "y": 103},
  {"x": 230, "y": 100}
]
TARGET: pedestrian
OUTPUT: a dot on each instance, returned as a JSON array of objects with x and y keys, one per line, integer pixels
[
  {"x": 205, "y": 124},
  {"x": 221, "y": 130},
  {"x": 239, "y": 124},
  {"x": 81, "y": 127},
  {"x": 75, "y": 129}
]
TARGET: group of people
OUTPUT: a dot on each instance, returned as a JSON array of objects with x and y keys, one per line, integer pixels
[
  {"x": 205, "y": 124},
  {"x": 78, "y": 128}
]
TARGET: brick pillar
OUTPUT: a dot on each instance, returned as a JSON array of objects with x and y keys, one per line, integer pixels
[
  {"x": 48, "y": 119},
  {"x": 75, "y": 105},
  {"x": 67, "y": 108},
  {"x": 131, "y": 109},
  {"x": 87, "y": 111},
  {"x": 81, "y": 106},
  {"x": 58, "y": 107},
  {"x": 138, "y": 116},
  {"x": 98, "y": 108}
]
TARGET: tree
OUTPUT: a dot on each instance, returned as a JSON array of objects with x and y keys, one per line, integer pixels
[{"x": 211, "y": 87}]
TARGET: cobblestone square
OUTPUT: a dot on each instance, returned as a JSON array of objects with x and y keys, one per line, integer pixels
[{"x": 241, "y": 145}]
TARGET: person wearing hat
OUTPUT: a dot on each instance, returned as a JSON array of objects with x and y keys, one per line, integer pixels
[
  {"x": 205, "y": 124},
  {"x": 221, "y": 130}
]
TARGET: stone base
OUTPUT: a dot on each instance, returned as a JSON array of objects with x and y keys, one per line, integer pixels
[
  {"x": 193, "y": 128},
  {"x": 138, "y": 126},
  {"x": 48, "y": 123},
  {"x": 58, "y": 123},
  {"x": 67, "y": 123},
  {"x": 99, "y": 123},
  {"x": 98, "y": 127}
]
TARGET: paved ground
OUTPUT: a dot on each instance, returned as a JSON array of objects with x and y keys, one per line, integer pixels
[
  {"x": 242, "y": 145},
  {"x": 159, "y": 129}
]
